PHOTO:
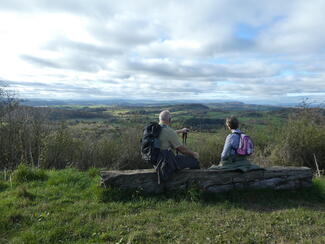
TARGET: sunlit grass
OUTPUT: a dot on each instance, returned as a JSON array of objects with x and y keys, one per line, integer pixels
[{"x": 70, "y": 207}]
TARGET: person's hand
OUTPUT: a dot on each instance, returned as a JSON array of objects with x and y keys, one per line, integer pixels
[
  {"x": 196, "y": 155},
  {"x": 185, "y": 130}
]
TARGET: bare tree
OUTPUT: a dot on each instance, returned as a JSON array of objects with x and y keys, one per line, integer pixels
[{"x": 22, "y": 130}]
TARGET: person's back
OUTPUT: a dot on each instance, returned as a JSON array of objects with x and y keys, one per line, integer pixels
[
  {"x": 169, "y": 141},
  {"x": 232, "y": 141},
  {"x": 230, "y": 159},
  {"x": 168, "y": 138},
  {"x": 231, "y": 144}
]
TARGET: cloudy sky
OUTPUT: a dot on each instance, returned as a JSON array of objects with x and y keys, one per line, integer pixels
[{"x": 253, "y": 51}]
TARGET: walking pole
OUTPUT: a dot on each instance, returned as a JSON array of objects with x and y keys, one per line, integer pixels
[{"x": 184, "y": 137}]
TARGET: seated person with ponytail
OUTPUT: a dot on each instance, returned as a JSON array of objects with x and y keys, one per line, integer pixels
[{"x": 233, "y": 157}]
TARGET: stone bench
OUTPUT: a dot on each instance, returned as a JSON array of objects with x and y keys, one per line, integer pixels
[{"x": 211, "y": 180}]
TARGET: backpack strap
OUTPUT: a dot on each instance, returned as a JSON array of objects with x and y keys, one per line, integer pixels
[{"x": 239, "y": 134}]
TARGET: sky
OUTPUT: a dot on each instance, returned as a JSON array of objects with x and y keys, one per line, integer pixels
[{"x": 245, "y": 50}]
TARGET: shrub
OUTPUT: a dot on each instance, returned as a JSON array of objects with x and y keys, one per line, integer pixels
[
  {"x": 129, "y": 154},
  {"x": 25, "y": 174},
  {"x": 108, "y": 152},
  {"x": 301, "y": 139},
  {"x": 265, "y": 139},
  {"x": 121, "y": 151},
  {"x": 60, "y": 149}
]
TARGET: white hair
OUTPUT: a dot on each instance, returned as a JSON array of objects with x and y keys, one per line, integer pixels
[{"x": 164, "y": 116}]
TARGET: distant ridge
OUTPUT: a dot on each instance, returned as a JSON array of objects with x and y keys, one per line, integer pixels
[
  {"x": 190, "y": 106},
  {"x": 133, "y": 102}
]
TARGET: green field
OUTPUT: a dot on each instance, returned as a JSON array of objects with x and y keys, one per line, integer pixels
[
  {"x": 68, "y": 206},
  {"x": 181, "y": 113}
]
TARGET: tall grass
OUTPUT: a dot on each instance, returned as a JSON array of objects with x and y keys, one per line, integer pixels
[
  {"x": 208, "y": 145},
  {"x": 114, "y": 151},
  {"x": 300, "y": 139},
  {"x": 26, "y": 174}
]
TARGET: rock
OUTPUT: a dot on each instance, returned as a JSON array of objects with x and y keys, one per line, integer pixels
[{"x": 211, "y": 180}]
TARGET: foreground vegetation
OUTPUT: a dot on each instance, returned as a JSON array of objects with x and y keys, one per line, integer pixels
[{"x": 68, "y": 206}]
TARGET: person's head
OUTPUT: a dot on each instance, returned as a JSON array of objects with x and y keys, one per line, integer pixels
[
  {"x": 232, "y": 123},
  {"x": 165, "y": 117}
]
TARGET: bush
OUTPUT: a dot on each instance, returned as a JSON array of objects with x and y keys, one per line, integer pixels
[
  {"x": 265, "y": 139},
  {"x": 60, "y": 149},
  {"x": 129, "y": 154},
  {"x": 301, "y": 139},
  {"x": 120, "y": 151},
  {"x": 25, "y": 174},
  {"x": 107, "y": 153}
]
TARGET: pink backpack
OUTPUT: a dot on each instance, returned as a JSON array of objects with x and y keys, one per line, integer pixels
[{"x": 246, "y": 146}]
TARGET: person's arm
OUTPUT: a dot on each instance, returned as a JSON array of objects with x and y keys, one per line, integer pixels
[
  {"x": 226, "y": 148},
  {"x": 184, "y": 130},
  {"x": 176, "y": 144},
  {"x": 184, "y": 150}
]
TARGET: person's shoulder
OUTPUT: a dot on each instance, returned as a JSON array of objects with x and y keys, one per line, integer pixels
[
  {"x": 237, "y": 131},
  {"x": 166, "y": 129},
  {"x": 233, "y": 135},
  {"x": 169, "y": 130},
  {"x": 229, "y": 136}
]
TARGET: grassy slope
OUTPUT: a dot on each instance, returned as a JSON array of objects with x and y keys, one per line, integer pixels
[{"x": 69, "y": 207}]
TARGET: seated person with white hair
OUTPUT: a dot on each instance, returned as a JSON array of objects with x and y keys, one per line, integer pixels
[{"x": 169, "y": 140}]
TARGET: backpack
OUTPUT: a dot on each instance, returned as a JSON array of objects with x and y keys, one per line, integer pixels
[
  {"x": 162, "y": 161},
  {"x": 246, "y": 145},
  {"x": 150, "y": 146}
]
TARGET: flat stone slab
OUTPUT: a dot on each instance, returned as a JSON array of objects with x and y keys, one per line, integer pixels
[{"x": 210, "y": 180}]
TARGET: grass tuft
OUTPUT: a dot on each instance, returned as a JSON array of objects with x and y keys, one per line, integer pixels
[
  {"x": 26, "y": 174},
  {"x": 24, "y": 193},
  {"x": 72, "y": 178},
  {"x": 113, "y": 194},
  {"x": 3, "y": 185},
  {"x": 93, "y": 172}
]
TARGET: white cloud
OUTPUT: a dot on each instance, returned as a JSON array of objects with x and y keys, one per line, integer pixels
[{"x": 251, "y": 50}]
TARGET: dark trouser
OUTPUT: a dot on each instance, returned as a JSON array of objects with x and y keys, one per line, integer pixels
[
  {"x": 167, "y": 163},
  {"x": 184, "y": 161}
]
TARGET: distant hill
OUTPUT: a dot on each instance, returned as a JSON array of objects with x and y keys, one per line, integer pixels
[
  {"x": 191, "y": 106},
  {"x": 202, "y": 106},
  {"x": 239, "y": 106}
]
